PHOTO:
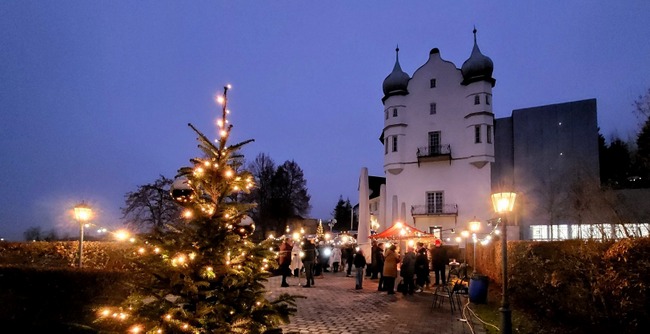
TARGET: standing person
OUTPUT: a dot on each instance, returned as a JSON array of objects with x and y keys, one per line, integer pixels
[
  {"x": 284, "y": 260},
  {"x": 296, "y": 261},
  {"x": 379, "y": 257},
  {"x": 349, "y": 258},
  {"x": 373, "y": 260},
  {"x": 359, "y": 264},
  {"x": 309, "y": 249},
  {"x": 408, "y": 271},
  {"x": 390, "y": 269},
  {"x": 421, "y": 269},
  {"x": 335, "y": 259},
  {"x": 439, "y": 262}
]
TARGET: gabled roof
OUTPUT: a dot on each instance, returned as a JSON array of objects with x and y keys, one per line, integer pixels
[{"x": 401, "y": 231}]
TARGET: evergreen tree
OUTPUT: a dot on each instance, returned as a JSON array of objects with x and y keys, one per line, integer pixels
[
  {"x": 342, "y": 213},
  {"x": 618, "y": 159},
  {"x": 643, "y": 150},
  {"x": 204, "y": 275},
  {"x": 281, "y": 193}
]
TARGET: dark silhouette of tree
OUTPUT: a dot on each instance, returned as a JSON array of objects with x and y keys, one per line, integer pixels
[
  {"x": 281, "y": 194},
  {"x": 33, "y": 234},
  {"x": 643, "y": 151},
  {"x": 342, "y": 213},
  {"x": 618, "y": 158},
  {"x": 151, "y": 206},
  {"x": 263, "y": 170}
]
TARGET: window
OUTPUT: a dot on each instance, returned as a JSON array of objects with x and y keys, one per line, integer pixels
[
  {"x": 386, "y": 114},
  {"x": 394, "y": 112},
  {"x": 432, "y": 83},
  {"x": 434, "y": 142},
  {"x": 489, "y": 134},
  {"x": 386, "y": 146},
  {"x": 434, "y": 202},
  {"x": 487, "y": 99},
  {"x": 432, "y": 109},
  {"x": 477, "y": 99},
  {"x": 477, "y": 133},
  {"x": 436, "y": 230},
  {"x": 394, "y": 143}
]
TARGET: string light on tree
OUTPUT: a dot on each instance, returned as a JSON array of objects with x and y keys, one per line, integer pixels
[{"x": 201, "y": 265}]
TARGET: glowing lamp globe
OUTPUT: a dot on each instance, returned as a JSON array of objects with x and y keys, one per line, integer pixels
[
  {"x": 82, "y": 212},
  {"x": 503, "y": 202}
]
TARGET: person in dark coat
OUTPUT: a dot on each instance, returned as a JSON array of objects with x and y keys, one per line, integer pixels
[
  {"x": 439, "y": 261},
  {"x": 421, "y": 269},
  {"x": 359, "y": 264},
  {"x": 379, "y": 258},
  {"x": 284, "y": 260},
  {"x": 309, "y": 251},
  {"x": 408, "y": 271},
  {"x": 349, "y": 258}
]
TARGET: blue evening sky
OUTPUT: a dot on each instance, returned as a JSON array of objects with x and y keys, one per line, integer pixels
[{"x": 95, "y": 96}]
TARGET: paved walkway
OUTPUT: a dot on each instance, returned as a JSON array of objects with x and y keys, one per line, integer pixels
[{"x": 334, "y": 306}]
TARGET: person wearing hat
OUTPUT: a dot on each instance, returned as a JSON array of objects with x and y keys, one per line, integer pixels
[{"x": 439, "y": 262}]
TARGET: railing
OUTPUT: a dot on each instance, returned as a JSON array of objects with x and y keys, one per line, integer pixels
[
  {"x": 431, "y": 210},
  {"x": 434, "y": 151}
]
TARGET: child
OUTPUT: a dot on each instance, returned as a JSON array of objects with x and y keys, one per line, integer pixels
[{"x": 359, "y": 263}]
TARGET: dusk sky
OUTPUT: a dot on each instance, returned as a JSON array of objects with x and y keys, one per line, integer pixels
[{"x": 95, "y": 96}]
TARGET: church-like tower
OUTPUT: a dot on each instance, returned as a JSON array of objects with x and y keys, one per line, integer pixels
[{"x": 438, "y": 139}]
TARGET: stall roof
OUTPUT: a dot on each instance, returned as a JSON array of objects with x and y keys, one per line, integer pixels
[{"x": 401, "y": 231}]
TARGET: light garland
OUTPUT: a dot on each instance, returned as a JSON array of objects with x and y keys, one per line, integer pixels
[{"x": 209, "y": 180}]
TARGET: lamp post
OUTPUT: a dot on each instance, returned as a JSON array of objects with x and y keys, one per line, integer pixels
[
  {"x": 474, "y": 226},
  {"x": 503, "y": 204},
  {"x": 82, "y": 213}
]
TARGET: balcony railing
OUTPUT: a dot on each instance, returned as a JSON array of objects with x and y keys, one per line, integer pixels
[
  {"x": 434, "y": 153},
  {"x": 434, "y": 210}
]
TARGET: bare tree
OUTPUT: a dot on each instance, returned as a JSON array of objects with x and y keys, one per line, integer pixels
[
  {"x": 33, "y": 234},
  {"x": 151, "y": 206}
]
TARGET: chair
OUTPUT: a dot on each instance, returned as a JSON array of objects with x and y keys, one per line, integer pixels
[
  {"x": 441, "y": 293},
  {"x": 457, "y": 284}
]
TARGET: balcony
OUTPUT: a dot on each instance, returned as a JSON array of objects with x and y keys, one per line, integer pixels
[
  {"x": 432, "y": 210},
  {"x": 434, "y": 153}
]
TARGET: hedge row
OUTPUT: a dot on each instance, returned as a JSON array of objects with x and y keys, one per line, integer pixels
[
  {"x": 105, "y": 255},
  {"x": 587, "y": 286}
]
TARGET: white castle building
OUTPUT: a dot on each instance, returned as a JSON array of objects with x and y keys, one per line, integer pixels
[
  {"x": 439, "y": 140},
  {"x": 438, "y": 143}
]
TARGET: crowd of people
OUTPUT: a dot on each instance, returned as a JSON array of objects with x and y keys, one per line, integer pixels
[{"x": 412, "y": 268}]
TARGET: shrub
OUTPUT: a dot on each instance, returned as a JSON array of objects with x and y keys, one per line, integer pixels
[{"x": 623, "y": 288}]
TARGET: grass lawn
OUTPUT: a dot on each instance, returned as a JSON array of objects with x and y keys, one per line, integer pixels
[{"x": 522, "y": 322}]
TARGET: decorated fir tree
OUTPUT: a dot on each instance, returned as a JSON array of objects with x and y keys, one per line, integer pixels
[
  {"x": 205, "y": 275},
  {"x": 319, "y": 230}
]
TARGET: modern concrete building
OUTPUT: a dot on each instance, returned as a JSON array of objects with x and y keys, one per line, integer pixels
[
  {"x": 444, "y": 153},
  {"x": 543, "y": 153}
]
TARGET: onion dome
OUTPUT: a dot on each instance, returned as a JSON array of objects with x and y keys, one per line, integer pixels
[
  {"x": 397, "y": 81},
  {"x": 478, "y": 67}
]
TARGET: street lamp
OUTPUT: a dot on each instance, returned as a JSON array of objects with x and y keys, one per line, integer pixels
[
  {"x": 82, "y": 213},
  {"x": 503, "y": 204}
]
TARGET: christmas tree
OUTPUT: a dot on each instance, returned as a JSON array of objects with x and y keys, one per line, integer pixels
[{"x": 205, "y": 275}]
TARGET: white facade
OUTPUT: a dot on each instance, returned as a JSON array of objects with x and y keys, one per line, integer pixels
[{"x": 438, "y": 144}]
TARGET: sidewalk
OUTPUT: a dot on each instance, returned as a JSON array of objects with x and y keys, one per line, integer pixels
[{"x": 334, "y": 306}]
